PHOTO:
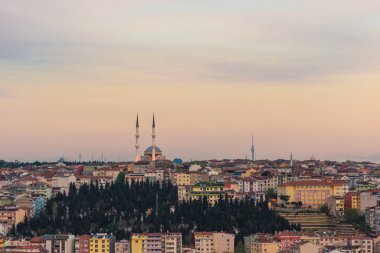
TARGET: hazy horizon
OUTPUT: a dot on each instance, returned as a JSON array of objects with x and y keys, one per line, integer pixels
[{"x": 301, "y": 76}]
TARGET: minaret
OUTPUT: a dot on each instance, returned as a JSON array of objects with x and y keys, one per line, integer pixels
[
  {"x": 153, "y": 139},
  {"x": 137, "y": 145},
  {"x": 252, "y": 150},
  {"x": 291, "y": 159}
]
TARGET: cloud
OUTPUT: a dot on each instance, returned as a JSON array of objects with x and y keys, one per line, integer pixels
[{"x": 243, "y": 41}]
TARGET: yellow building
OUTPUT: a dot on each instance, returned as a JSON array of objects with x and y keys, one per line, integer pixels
[
  {"x": 182, "y": 178},
  {"x": 352, "y": 200},
  {"x": 138, "y": 243},
  {"x": 102, "y": 243},
  {"x": 213, "y": 191},
  {"x": 356, "y": 201},
  {"x": 312, "y": 193}
]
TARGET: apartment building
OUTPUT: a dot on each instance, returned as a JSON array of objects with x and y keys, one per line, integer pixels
[
  {"x": 212, "y": 191},
  {"x": 180, "y": 178},
  {"x": 172, "y": 243},
  {"x": 153, "y": 243},
  {"x": 369, "y": 199},
  {"x": 123, "y": 246},
  {"x": 11, "y": 216},
  {"x": 261, "y": 243},
  {"x": 204, "y": 242},
  {"x": 62, "y": 182},
  {"x": 107, "y": 172},
  {"x": 372, "y": 218},
  {"x": 305, "y": 247},
  {"x": 138, "y": 243},
  {"x": 312, "y": 193},
  {"x": 208, "y": 242},
  {"x": 352, "y": 200},
  {"x": 288, "y": 239},
  {"x": 82, "y": 244},
  {"x": 102, "y": 243},
  {"x": 58, "y": 243},
  {"x": 156, "y": 242},
  {"x": 39, "y": 189},
  {"x": 360, "y": 243}
]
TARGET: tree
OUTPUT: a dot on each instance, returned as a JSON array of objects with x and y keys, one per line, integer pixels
[
  {"x": 121, "y": 177},
  {"x": 351, "y": 215},
  {"x": 271, "y": 194},
  {"x": 240, "y": 247},
  {"x": 121, "y": 207},
  {"x": 324, "y": 209},
  {"x": 13, "y": 230},
  {"x": 284, "y": 198}
]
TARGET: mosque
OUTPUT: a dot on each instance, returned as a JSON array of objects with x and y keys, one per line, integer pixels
[{"x": 152, "y": 153}]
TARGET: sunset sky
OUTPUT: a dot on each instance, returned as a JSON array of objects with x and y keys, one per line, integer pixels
[{"x": 302, "y": 76}]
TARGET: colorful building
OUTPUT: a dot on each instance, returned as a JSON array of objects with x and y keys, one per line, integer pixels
[
  {"x": 261, "y": 243},
  {"x": 123, "y": 246},
  {"x": 1, "y": 242},
  {"x": 180, "y": 178},
  {"x": 138, "y": 243},
  {"x": 82, "y": 244},
  {"x": 156, "y": 243},
  {"x": 352, "y": 200},
  {"x": 11, "y": 216},
  {"x": 209, "y": 242},
  {"x": 102, "y": 243},
  {"x": 313, "y": 193},
  {"x": 38, "y": 205},
  {"x": 364, "y": 186},
  {"x": 288, "y": 239},
  {"x": 59, "y": 243},
  {"x": 212, "y": 191}
]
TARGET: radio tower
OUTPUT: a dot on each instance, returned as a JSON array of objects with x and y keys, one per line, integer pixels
[{"x": 252, "y": 150}]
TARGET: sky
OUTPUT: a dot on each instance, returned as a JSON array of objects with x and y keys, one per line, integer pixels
[{"x": 301, "y": 76}]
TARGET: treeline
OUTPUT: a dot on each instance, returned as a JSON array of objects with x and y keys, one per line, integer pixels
[{"x": 122, "y": 208}]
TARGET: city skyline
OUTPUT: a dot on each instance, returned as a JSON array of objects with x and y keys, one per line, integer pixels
[{"x": 302, "y": 76}]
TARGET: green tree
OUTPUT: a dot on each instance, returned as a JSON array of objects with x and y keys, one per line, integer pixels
[
  {"x": 324, "y": 209},
  {"x": 271, "y": 194},
  {"x": 121, "y": 177},
  {"x": 351, "y": 215},
  {"x": 121, "y": 207},
  {"x": 240, "y": 247},
  {"x": 284, "y": 198}
]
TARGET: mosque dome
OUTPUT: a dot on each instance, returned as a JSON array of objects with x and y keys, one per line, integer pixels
[
  {"x": 148, "y": 153},
  {"x": 150, "y": 149}
]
